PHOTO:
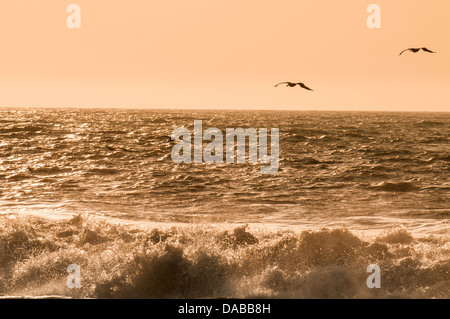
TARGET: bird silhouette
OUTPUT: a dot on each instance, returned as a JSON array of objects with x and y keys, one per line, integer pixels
[
  {"x": 292, "y": 84},
  {"x": 415, "y": 50}
]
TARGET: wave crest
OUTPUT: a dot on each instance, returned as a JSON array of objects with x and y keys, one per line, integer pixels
[{"x": 119, "y": 261}]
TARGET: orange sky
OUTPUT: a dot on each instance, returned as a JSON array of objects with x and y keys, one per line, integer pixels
[{"x": 225, "y": 54}]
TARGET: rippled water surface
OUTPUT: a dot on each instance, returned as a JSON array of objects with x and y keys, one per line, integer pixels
[{"x": 362, "y": 169}]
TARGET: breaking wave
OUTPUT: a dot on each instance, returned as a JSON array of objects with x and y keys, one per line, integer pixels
[{"x": 123, "y": 261}]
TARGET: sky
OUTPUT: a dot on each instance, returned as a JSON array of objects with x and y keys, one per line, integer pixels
[{"x": 211, "y": 54}]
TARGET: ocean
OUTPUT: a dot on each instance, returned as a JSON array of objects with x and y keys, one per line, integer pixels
[{"x": 98, "y": 188}]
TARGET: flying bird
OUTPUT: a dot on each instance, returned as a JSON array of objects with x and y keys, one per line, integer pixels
[
  {"x": 415, "y": 50},
  {"x": 291, "y": 84}
]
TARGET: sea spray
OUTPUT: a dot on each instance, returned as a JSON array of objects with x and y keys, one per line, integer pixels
[{"x": 203, "y": 261}]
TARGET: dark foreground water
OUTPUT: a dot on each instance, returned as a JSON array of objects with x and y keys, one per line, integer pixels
[{"x": 378, "y": 182}]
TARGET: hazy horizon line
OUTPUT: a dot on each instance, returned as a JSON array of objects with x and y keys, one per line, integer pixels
[{"x": 139, "y": 108}]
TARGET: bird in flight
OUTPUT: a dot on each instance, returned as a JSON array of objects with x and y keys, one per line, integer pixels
[
  {"x": 291, "y": 84},
  {"x": 415, "y": 50}
]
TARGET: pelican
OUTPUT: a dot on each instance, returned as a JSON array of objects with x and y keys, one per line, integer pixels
[
  {"x": 415, "y": 50},
  {"x": 291, "y": 84}
]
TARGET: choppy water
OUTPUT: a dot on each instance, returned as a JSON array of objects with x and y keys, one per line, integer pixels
[
  {"x": 347, "y": 168},
  {"x": 352, "y": 189}
]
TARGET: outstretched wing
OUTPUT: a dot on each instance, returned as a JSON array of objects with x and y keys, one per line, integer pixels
[
  {"x": 282, "y": 83},
  {"x": 404, "y": 51},
  {"x": 304, "y": 86},
  {"x": 426, "y": 50}
]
